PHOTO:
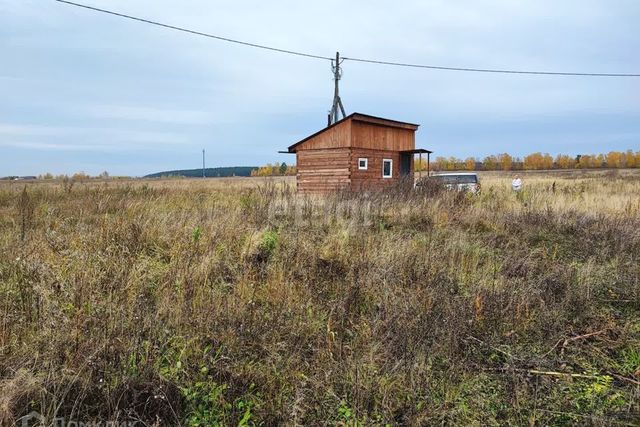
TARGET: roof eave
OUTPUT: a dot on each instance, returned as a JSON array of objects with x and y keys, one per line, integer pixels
[{"x": 389, "y": 122}]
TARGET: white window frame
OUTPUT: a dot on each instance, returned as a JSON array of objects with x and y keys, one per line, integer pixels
[
  {"x": 366, "y": 163},
  {"x": 390, "y": 168}
]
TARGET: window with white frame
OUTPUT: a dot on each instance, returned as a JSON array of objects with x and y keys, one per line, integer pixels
[
  {"x": 363, "y": 163},
  {"x": 387, "y": 168}
]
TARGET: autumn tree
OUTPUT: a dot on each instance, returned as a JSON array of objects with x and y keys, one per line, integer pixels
[
  {"x": 630, "y": 159},
  {"x": 615, "y": 159},
  {"x": 591, "y": 161},
  {"x": 619, "y": 159},
  {"x": 291, "y": 170},
  {"x": 490, "y": 163},
  {"x": 506, "y": 161},
  {"x": 538, "y": 161},
  {"x": 440, "y": 164},
  {"x": 420, "y": 164},
  {"x": 584, "y": 161},
  {"x": 564, "y": 161},
  {"x": 533, "y": 161},
  {"x": 267, "y": 170},
  {"x": 598, "y": 161},
  {"x": 455, "y": 164},
  {"x": 274, "y": 169},
  {"x": 80, "y": 176},
  {"x": 470, "y": 164}
]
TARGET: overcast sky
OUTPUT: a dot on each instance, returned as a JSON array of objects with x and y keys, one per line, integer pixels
[{"x": 83, "y": 91}]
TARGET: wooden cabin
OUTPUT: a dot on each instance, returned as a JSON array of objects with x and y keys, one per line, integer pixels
[{"x": 359, "y": 152}]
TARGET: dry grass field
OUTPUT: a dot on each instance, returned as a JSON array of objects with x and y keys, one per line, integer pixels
[{"x": 239, "y": 302}]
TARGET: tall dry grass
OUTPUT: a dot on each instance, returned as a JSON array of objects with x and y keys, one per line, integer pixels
[{"x": 191, "y": 302}]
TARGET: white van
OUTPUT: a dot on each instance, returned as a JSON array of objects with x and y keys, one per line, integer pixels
[{"x": 465, "y": 181}]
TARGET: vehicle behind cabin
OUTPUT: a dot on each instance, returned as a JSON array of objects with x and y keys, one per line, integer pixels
[{"x": 457, "y": 181}]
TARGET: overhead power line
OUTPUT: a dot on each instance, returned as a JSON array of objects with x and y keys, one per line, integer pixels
[
  {"x": 369, "y": 61},
  {"x": 197, "y": 33},
  {"x": 488, "y": 70}
]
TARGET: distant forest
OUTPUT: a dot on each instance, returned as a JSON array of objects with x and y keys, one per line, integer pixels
[
  {"x": 536, "y": 161},
  {"x": 209, "y": 172}
]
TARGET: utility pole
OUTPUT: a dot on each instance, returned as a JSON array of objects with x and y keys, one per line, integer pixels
[
  {"x": 203, "y": 163},
  {"x": 337, "y": 102}
]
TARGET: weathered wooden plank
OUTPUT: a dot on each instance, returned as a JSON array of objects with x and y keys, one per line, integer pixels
[
  {"x": 302, "y": 169},
  {"x": 326, "y": 165},
  {"x": 365, "y": 135},
  {"x": 334, "y": 137}
]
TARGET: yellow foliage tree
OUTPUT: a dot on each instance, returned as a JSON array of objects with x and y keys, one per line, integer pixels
[
  {"x": 633, "y": 160},
  {"x": 420, "y": 165},
  {"x": 538, "y": 161},
  {"x": 455, "y": 163},
  {"x": 506, "y": 161},
  {"x": 584, "y": 161},
  {"x": 629, "y": 159},
  {"x": 440, "y": 164},
  {"x": 598, "y": 161},
  {"x": 470, "y": 164},
  {"x": 274, "y": 170},
  {"x": 564, "y": 161},
  {"x": 615, "y": 159},
  {"x": 80, "y": 176},
  {"x": 490, "y": 163},
  {"x": 533, "y": 161}
]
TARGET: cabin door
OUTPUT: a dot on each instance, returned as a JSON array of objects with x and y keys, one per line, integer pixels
[{"x": 405, "y": 164}]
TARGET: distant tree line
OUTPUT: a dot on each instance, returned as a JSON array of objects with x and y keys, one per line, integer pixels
[
  {"x": 78, "y": 176},
  {"x": 536, "y": 161},
  {"x": 503, "y": 161},
  {"x": 219, "y": 172},
  {"x": 275, "y": 169}
]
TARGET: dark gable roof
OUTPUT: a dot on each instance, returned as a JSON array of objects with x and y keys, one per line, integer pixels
[{"x": 360, "y": 118}]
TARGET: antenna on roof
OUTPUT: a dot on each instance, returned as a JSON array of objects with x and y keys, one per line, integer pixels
[{"x": 337, "y": 102}]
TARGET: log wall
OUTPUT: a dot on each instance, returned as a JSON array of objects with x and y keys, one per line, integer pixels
[
  {"x": 372, "y": 177},
  {"x": 328, "y": 160},
  {"x": 324, "y": 170}
]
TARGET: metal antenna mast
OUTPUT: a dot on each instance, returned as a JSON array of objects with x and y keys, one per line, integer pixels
[{"x": 337, "y": 102}]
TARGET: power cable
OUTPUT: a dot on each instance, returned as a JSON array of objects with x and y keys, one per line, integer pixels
[
  {"x": 198, "y": 33},
  {"x": 488, "y": 70},
  {"x": 369, "y": 61}
]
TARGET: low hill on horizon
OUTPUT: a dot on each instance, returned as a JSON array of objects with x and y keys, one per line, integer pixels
[{"x": 219, "y": 172}]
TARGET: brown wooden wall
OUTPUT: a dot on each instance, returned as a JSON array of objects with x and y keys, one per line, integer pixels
[
  {"x": 376, "y": 137},
  {"x": 372, "y": 177},
  {"x": 328, "y": 161},
  {"x": 353, "y": 133},
  {"x": 323, "y": 170},
  {"x": 326, "y": 170},
  {"x": 338, "y": 136}
]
